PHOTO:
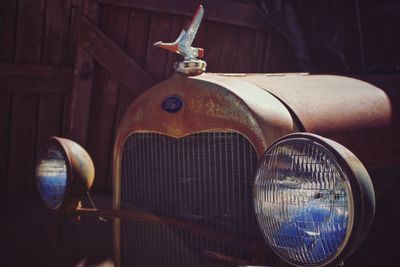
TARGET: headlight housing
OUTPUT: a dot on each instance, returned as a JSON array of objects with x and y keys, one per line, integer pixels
[
  {"x": 64, "y": 173},
  {"x": 314, "y": 200}
]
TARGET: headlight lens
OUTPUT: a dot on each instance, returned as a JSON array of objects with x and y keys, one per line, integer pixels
[
  {"x": 51, "y": 173},
  {"x": 64, "y": 173},
  {"x": 304, "y": 200}
]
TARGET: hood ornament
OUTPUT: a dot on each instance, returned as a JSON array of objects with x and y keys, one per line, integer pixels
[{"x": 191, "y": 65}]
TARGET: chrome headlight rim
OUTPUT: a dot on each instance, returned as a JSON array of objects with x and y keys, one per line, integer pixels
[{"x": 361, "y": 198}]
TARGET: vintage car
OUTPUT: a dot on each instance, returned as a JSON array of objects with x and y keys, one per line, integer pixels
[{"x": 246, "y": 170}]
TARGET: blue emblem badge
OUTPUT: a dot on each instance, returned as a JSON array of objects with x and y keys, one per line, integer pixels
[{"x": 172, "y": 104}]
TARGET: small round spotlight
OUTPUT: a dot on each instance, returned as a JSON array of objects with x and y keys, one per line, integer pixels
[
  {"x": 314, "y": 200},
  {"x": 64, "y": 173}
]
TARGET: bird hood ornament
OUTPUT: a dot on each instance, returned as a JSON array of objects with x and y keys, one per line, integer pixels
[{"x": 191, "y": 65}]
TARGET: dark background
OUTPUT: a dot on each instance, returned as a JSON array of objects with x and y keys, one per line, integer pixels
[{"x": 59, "y": 76}]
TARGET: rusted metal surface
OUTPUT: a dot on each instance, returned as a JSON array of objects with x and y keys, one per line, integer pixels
[
  {"x": 264, "y": 108},
  {"x": 326, "y": 103},
  {"x": 207, "y": 106},
  {"x": 357, "y": 114},
  {"x": 171, "y": 222},
  {"x": 80, "y": 171},
  {"x": 226, "y": 105}
]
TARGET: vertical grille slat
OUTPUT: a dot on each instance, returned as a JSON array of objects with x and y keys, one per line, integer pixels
[{"x": 204, "y": 178}]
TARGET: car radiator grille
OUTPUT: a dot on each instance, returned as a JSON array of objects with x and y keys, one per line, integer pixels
[{"x": 206, "y": 179}]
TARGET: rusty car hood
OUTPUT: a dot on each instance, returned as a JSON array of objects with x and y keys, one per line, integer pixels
[{"x": 361, "y": 113}]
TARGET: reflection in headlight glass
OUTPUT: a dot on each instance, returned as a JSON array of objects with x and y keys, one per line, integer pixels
[
  {"x": 301, "y": 202},
  {"x": 51, "y": 176}
]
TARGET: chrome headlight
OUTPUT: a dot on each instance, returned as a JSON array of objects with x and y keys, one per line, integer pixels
[
  {"x": 64, "y": 173},
  {"x": 314, "y": 200}
]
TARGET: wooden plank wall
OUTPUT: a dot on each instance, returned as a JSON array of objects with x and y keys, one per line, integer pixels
[
  {"x": 228, "y": 48},
  {"x": 40, "y": 73},
  {"x": 332, "y": 31},
  {"x": 37, "y": 50}
]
